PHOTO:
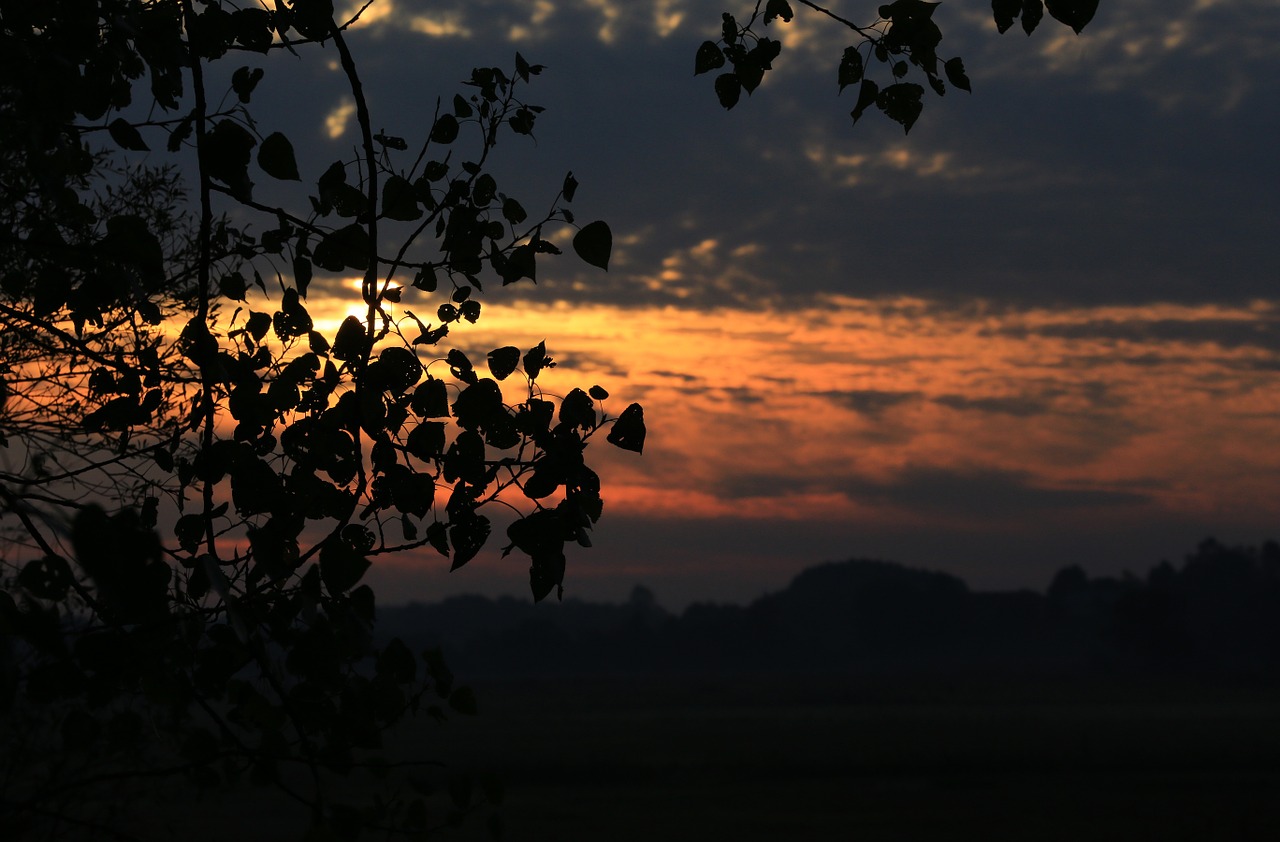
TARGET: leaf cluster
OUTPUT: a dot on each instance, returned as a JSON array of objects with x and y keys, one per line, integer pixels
[{"x": 902, "y": 41}]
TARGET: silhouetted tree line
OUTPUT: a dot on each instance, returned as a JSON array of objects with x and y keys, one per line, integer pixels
[{"x": 1215, "y": 615}]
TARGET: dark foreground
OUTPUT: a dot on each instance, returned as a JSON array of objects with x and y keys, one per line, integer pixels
[
  {"x": 892, "y": 759},
  {"x": 770, "y": 760}
]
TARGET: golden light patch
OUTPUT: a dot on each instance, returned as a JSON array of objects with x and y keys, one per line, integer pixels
[
  {"x": 666, "y": 17},
  {"x": 378, "y": 12},
  {"x": 443, "y": 25},
  {"x": 335, "y": 123}
]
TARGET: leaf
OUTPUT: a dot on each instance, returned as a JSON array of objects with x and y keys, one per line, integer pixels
[
  {"x": 594, "y": 243},
  {"x": 233, "y": 286},
  {"x": 851, "y": 68},
  {"x": 1032, "y": 14},
  {"x": 503, "y": 361},
  {"x": 399, "y": 201},
  {"x": 628, "y": 431},
  {"x": 227, "y": 148},
  {"x": 460, "y": 366},
  {"x": 253, "y": 29},
  {"x": 341, "y": 566},
  {"x": 431, "y": 399},
  {"x": 391, "y": 141},
  {"x": 346, "y": 247},
  {"x": 954, "y": 68},
  {"x": 778, "y": 9},
  {"x": 598, "y": 392},
  {"x": 577, "y": 410},
  {"x": 445, "y": 129},
  {"x": 255, "y": 487},
  {"x": 728, "y": 89},
  {"x": 901, "y": 103},
  {"x": 729, "y": 28},
  {"x": 522, "y": 121},
  {"x": 351, "y": 341},
  {"x": 1074, "y": 13},
  {"x": 426, "y": 441},
  {"x": 46, "y": 578},
  {"x": 126, "y": 136},
  {"x": 536, "y": 360},
  {"x": 412, "y": 493},
  {"x": 709, "y": 57},
  {"x": 570, "y": 187},
  {"x": 276, "y": 158},
  {"x": 477, "y": 404},
  {"x": 468, "y": 535},
  {"x": 543, "y": 482},
  {"x": 513, "y": 211},
  {"x": 438, "y": 538},
  {"x": 180, "y": 133},
  {"x": 522, "y": 67},
  {"x": 302, "y": 271},
  {"x": 397, "y": 370},
  {"x": 465, "y": 459},
  {"x": 866, "y": 97},
  {"x": 1005, "y": 11},
  {"x": 546, "y": 573},
  {"x": 750, "y": 73},
  {"x": 244, "y": 80},
  {"x": 189, "y": 531}
]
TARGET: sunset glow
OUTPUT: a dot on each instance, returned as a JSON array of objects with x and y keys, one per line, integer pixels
[{"x": 906, "y": 414}]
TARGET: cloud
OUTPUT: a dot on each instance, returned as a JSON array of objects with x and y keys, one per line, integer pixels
[
  {"x": 339, "y": 118},
  {"x": 1245, "y": 330},
  {"x": 445, "y": 25},
  {"x": 1019, "y": 406},
  {"x": 869, "y": 402},
  {"x": 982, "y": 493},
  {"x": 886, "y": 167}
]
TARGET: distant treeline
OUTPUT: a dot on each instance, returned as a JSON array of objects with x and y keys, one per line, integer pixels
[{"x": 1216, "y": 614}]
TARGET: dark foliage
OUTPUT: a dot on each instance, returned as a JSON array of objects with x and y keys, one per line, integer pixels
[
  {"x": 197, "y": 478},
  {"x": 903, "y": 39}
]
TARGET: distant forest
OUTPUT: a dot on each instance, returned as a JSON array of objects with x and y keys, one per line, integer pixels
[{"x": 1216, "y": 615}]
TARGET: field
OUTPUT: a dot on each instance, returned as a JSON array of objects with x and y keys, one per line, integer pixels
[
  {"x": 750, "y": 760},
  {"x": 759, "y": 760}
]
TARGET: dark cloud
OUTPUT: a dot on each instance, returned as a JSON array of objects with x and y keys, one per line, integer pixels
[
  {"x": 869, "y": 402},
  {"x": 1110, "y": 169},
  {"x": 1260, "y": 332},
  {"x": 677, "y": 375},
  {"x": 739, "y": 395},
  {"x": 981, "y": 493},
  {"x": 744, "y": 485},
  {"x": 1019, "y": 406}
]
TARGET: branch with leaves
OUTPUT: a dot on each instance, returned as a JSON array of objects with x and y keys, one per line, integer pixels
[{"x": 903, "y": 36}]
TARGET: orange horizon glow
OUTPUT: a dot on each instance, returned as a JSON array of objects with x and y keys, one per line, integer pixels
[{"x": 806, "y": 413}]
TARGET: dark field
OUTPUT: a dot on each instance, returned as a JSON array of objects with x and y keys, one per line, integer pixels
[
  {"x": 770, "y": 759},
  {"x": 767, "y": 760}
]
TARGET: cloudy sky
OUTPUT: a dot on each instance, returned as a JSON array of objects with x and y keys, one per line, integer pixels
[{"x": 1042, "y": 329}]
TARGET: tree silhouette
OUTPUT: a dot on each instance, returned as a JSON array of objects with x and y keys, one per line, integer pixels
[
  {"x": 149, "y": 392},
  {"x": 195, "y": 478}
]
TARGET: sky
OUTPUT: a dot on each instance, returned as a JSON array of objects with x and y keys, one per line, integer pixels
[{"x": 1042, "y": 329}]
